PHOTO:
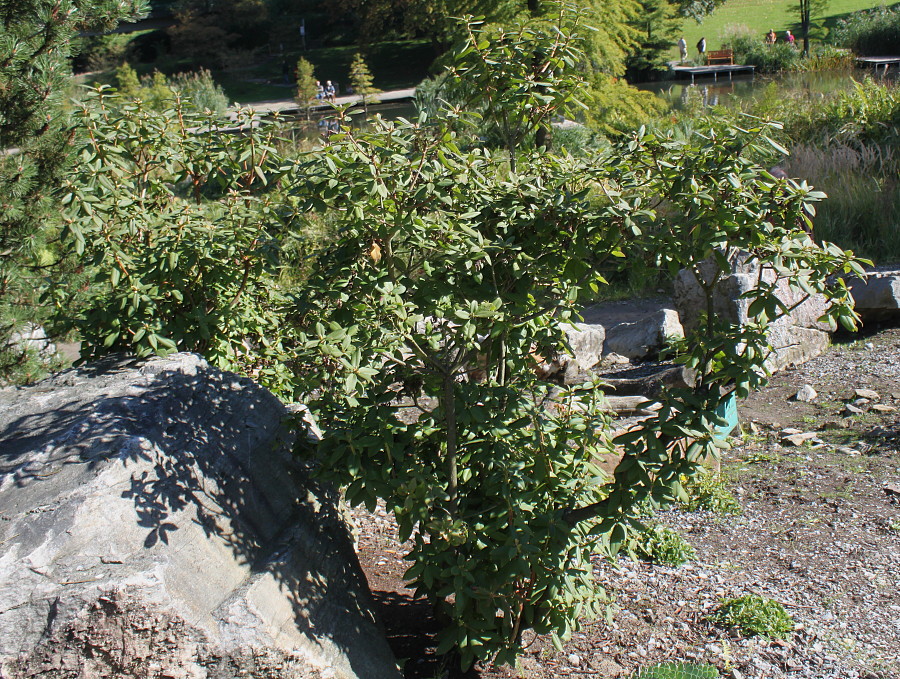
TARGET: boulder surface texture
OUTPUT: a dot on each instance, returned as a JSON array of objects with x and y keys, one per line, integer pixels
[{"x": 154, "y": 524}]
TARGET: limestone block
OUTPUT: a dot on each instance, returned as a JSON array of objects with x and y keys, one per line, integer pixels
[
  {"x": 794, "y": 338},
  {"x": 152, "y": 516}
]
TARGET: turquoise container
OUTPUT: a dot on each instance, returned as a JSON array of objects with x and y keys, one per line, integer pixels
[{"x": 728, "y": 412}]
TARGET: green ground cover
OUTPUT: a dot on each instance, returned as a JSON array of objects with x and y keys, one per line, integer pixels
[{"x": 761, "y": 15}]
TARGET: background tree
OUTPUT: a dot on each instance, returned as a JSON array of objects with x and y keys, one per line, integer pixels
[
  {"x": 35, "y": 137},
  {"x": 307, "y": 90},
  {"x": 362, "y": 83},
  {"x": 214, "y": 33},
  {"x": 659, "y": 25},
  {"x": 807, "y": 8},
  {"x": 697, "y": 9}
]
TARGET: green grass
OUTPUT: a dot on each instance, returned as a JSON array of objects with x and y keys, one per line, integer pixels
[{"x": 761, "y": 15}]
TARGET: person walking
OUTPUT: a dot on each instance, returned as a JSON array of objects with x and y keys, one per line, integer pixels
[
  {"x": 682, "y": 49},
  {"x": 701, "y": 48},
  {"x": 770, "y": 37},
  {"x": 789, "y": 38}
]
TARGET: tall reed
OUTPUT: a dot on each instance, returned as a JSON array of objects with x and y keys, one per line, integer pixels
[{"x": 862, "y": 181}]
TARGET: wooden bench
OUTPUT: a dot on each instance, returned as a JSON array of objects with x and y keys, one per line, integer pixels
[{"x": 725, "y": 57}]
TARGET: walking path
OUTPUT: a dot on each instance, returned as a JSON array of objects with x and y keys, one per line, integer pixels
[{"x": 291, "y": 106}]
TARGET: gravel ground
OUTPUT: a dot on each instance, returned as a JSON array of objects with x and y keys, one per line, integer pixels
[{"x": 819, "y": 532}]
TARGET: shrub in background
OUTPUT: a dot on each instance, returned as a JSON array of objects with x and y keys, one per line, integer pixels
[
  {"x": 197, "y": 89},
  {"x": 750, "y": 49},
  {"x": 200, "y": 90},
  {"x": 871, "y": 32},
  {"x": 180, "y": 232}
]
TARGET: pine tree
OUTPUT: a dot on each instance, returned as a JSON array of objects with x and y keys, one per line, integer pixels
[
  {"x": 361, "y": 82},
  {"x": 658, "y": 25},
  {"x": 307, "y": 88},
  {"x": 35, "y": 140}
]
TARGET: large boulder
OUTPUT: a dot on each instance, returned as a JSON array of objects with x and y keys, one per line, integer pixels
[
  {"x": 878, "y": 296},
  {"x": 586, "y": 343},
  {"x": 794, "y": 338},
  {"x": 154, "y": 524},
  {"x": 645, "y": 337}
]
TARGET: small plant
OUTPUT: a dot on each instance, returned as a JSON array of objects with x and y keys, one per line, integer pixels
[
  {"x": 708, "y": 492},
  {"x": 677, "y": 671},
  {"x": 760, "y": 457},
  {"x": 664, "y": 546},
  {"x": 755, "y": 615}
]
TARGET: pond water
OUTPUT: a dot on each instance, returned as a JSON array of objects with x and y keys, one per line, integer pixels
[
  {"x": 814, "y": 85},
  {"x": 322, "y": 125}
]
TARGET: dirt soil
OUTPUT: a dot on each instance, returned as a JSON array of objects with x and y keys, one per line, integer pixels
[{"x": 819, "y": 532}]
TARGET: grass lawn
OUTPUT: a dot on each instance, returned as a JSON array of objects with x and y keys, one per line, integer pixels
[{"x": 761, "y": 15}]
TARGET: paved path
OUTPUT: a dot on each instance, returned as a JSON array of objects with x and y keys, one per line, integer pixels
[{"x": 291, "y": 106}]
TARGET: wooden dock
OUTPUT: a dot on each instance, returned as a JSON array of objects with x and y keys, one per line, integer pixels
[
  {"x": 714, "y": 71},
  {"x": 878, "y": 61}
]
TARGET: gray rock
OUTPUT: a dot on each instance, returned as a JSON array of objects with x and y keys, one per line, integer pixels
[
  {"x": 151, "y": 515},
  {"x": 878, "y": 296},
  {"x": 852, "y": 409},
  {"x": 33, "y": 339},
  {"x": 796, "y": 438},
  {"x": 794, "y": 338},
  {"x": 586, "y": 342},
  {"x": 806, "y": 394},
  {"x": 646, "y": 336}
]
